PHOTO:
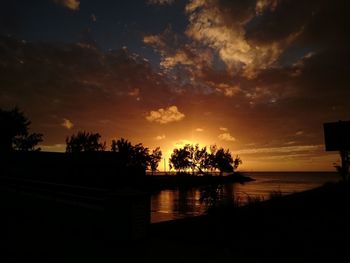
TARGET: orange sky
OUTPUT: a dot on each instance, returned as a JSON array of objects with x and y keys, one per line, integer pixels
[{"x": 286, "y": 157}]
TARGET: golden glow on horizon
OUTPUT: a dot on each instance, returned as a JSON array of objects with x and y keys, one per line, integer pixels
[{"x": 277, "y": 158}]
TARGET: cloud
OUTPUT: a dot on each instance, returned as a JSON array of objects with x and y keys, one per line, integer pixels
[
  {"x": 262, "y": 49},
  {"x": 285, "y": 149},
  {"x": 226, "y": 137},
  {"x": 160, "y": 2},
  {"x": 180, "y": 57},
  {"x": 300, "y": 132},
  {"x": 70, "y": 4},
  {"x": 272, "y": 51},
  {"x": 160, "y": 137},
  {"x": 154, "y": 40},
  {"x": 74, "y": 74},
  {"x": 228, "y": 90},
  {"x": 174, "y": 51},
  {"x": 182, "y": 142},
  {"x": 53, "y": 148},
  {"x": 67, "y": 124},
  {"x": 134, "y": 92},
  {"x": 290, "y": 142},
  {"x": 77, "y": 81},
  {"x": 199, "y": 130},
  {"x": 223, "y": 129},
  {"x": 221, "y": 25},
  {"x": 192, "y": 65},
  {"x": 266, "y": 5},
  {"x": 163, "y": 116}
]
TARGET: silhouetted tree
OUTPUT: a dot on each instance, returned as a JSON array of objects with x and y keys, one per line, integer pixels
[
  {"x": 124, "y": 149},
  {"x": 84, "y": 142},
  {"x": 190, "y": 157},
  {"x": 14, "y": 132},
  {"x": 154, "y": 159},
  {"x": 140, "y": 156},
  {"x": 180, "y": 159},
  {"x": 236, "y": 162},
  {"x": 136, "y": 155},
  {"x": 195, "y": 158},
  {"x": 221, "y": 159}
]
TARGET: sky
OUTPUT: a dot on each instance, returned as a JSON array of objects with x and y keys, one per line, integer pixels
[{"x": 259, "y": 77}]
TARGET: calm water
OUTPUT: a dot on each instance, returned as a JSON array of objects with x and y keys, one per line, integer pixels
[{"x": 181, "y": 203}]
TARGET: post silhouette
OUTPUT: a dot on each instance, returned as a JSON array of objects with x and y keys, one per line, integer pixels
[{"x": 336, "y": 135}]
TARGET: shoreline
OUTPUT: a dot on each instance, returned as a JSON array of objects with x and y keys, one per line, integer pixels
[
  {"x": 297, "y": 198},
  {"x": 312, "y": 224},
  {"x": 186, "y": 181}
]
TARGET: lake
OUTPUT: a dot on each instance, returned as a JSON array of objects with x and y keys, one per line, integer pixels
[{"x": 180, "y": 203}]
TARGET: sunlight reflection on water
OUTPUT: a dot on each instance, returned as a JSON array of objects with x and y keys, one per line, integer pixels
[{"x": 181, "y": 203}]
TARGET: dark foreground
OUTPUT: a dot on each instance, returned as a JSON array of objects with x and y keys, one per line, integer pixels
[
  {"x": 312, "y": 225},
  {"x": 308, "y": 226}
]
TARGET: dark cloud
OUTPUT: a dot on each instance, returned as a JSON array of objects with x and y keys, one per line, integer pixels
[
  {"x": 69, "y": 4},
  {"x": 287, "y": 18},
  {"x": 328, "y": 24},
  {"x": 53, "y": 81},
  {"x": 320, "y": 23},
  {"x": 235, "y": 12}
]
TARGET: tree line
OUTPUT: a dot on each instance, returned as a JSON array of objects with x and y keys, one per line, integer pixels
[
  {"x": 129, "y": 155},
  {"x": 15, "y": 136}
]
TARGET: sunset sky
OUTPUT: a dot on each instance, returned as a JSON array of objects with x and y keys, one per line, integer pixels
[{"x": 259, "y": 77}]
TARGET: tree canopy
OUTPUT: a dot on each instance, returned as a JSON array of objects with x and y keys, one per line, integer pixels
[
  {"x": 198, "y": 159},
  {"x": 136, "y": 155},
  {"x": 84, "y": 142},
  {"x": 189, "y": 157},
  {"x": 14, "y": 132},
  {"x": 154, "y": 159}
]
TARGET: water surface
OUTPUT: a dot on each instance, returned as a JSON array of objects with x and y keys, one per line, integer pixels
[{"x": 180, "y": 203}]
